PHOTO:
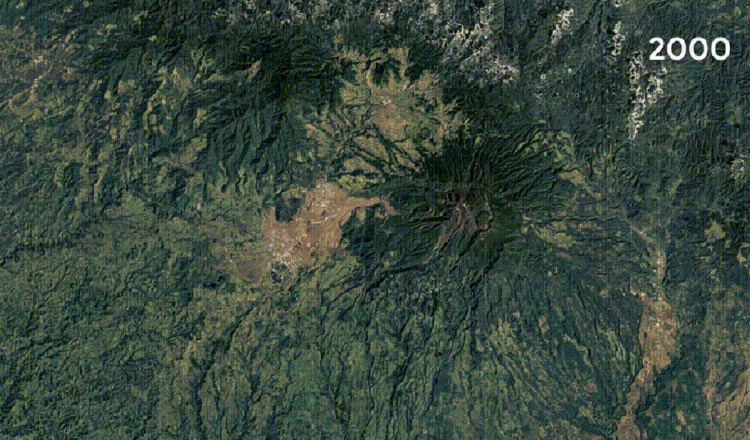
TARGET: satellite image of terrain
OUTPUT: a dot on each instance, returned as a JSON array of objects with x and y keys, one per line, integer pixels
[{"x": 371, "y": 219}]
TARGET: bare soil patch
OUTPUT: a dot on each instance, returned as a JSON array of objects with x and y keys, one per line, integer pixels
[{"x": 315, "y": 231}]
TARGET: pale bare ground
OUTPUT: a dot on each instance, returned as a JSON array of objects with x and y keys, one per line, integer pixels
[
  {"x": 315, "y": 231},
  {"x": 657, "y": 335},
  {"x": 727, "y": 411}
]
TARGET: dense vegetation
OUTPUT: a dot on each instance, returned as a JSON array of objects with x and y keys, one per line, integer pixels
[{"x": 544, "y": 234}]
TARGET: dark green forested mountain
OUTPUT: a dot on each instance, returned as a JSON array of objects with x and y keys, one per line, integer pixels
[{"x": 373, "y": 219}]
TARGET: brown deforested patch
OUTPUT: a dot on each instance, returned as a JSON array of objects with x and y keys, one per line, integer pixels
[
  {"x": 316, "y": 228},
  {"x": 657, "y": 335},
  {"x": 543, "y": 326}
]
